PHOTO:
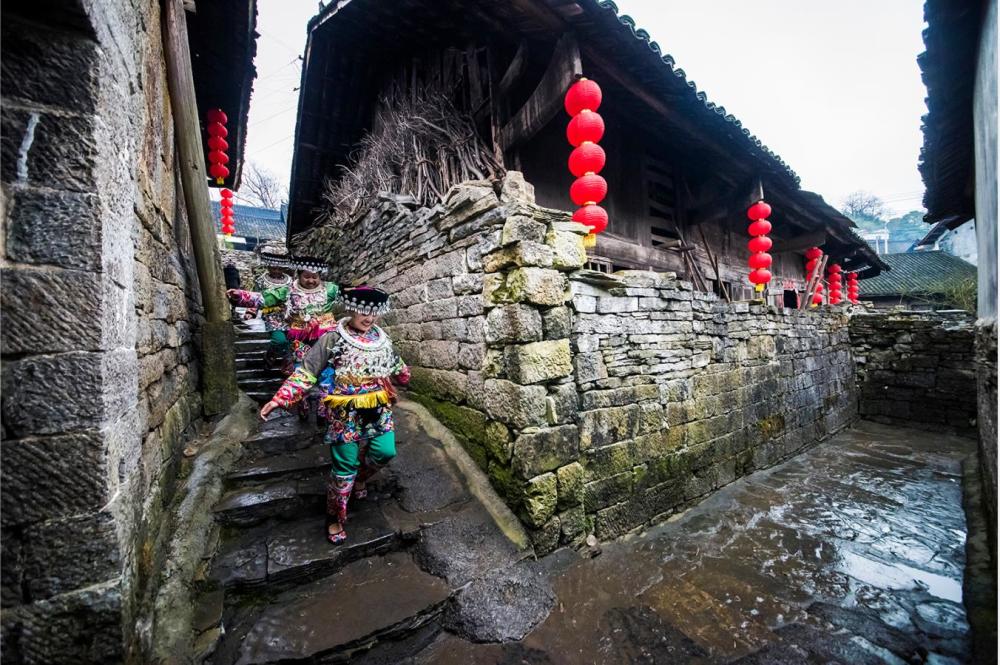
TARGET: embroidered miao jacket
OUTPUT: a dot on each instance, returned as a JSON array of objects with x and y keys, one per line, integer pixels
[
  {"x": 363, "y": 365},
  {"x": 274, "y": 317},
  {"x": 308, "y": 312}
]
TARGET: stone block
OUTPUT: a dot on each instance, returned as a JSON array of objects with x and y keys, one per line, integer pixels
[
  {"x": 51, "y": 394},
  {"x": 440, "y": 355},
  {"x": 63, "y": 555},
  {"x": 441, "y": 384},
  {"x": 538, "y": 286},
  {"x": 464, "y": 203},
  {"x": 599, "y": 399},
  {"x": 470, "y": 283},
  {"x": 545, "y": 539},
  {"x": 538, "y": 361},
  {"x": 497, "y": 441},
  {"x": 540, "y": 498},
  {"x": 439, "y": 289},
  {"x": 439, "y": 309},
  {"x": 470, "y": 305},
  {"x": 599, "y": 494},
  {"x": 538, "y": 451},
  {"x": 589, "y": 367},
  {"x": 471, "y": 356},
  {"x": 570, "y": 479},
  {"x": 562, "y": 404},
  {"x": 516, "y": 189},
  {"x": 61, "y": 152},
  {"x": 573, "y": 523},
  {"x": 55, "y": 228},
  {"x": 50, "y": 477},
  {"x": 513, "y": 404},
  {"x": 454, "y": 329},
  {"x": 521, "y": 227},
  {"x": 50, "y": 311},
  {"x": 585, "y": 304},
  {"x": 49, "y": 67},
  {"x": 615, "y": 305},
  {"x": 557, "y": 322},
  {"x": 568, "y": 252},
  {"x": 79, "y": 627},
  {"x": 605, "y": 426},
  {"x": 521, "y": 253},
  {"x": 513, "y": 323}
]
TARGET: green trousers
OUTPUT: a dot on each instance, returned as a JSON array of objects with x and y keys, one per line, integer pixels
[{"x": 346, "y": 462}]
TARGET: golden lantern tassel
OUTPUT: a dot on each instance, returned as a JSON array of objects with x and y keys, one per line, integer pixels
[{"x": 590, "y": 240}]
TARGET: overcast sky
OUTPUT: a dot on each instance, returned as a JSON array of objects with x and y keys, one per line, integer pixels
[{"x": 832, "y": 87}]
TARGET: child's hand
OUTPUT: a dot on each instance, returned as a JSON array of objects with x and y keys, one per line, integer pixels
[{"x": 266, "y": 410}]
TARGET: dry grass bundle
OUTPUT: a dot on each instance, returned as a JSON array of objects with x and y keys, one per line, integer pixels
[{"x": 420, "y": 145}]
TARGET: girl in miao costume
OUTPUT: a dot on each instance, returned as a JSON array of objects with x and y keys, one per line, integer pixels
[
  {"x": 364, "y": 364},
  {"x": 305, "y": 309},
  {"x": 274, "y": 278}
]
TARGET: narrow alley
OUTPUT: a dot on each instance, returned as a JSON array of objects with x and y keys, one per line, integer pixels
[{"x": 851, "y": 552}]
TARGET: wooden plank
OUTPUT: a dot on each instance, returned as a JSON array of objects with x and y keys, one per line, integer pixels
[
  {"x": 515, "y": 70},
  {"x": 800, "y": 242},
  {"x": 546, "y": 101}
]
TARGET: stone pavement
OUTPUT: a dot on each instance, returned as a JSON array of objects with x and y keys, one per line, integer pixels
[{"x": 849, "y": 553}]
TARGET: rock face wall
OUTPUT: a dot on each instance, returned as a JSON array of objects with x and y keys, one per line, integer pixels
[
  {"x": 986, "y": 395},
  {"x": 916, "y": 369},
  {"x": 595, "y": 404},
  {"x": 100, "y": 308}
]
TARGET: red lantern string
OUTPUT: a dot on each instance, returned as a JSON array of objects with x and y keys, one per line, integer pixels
[
  {"x": 813, "y": 255},
  {"x": 852, "y": 288},
  {"x": 217, "y": 144},
  {"x": 226, "y": 212},
  {"x": 759, "y": 243},
  {"x": 585, "y": 129},
  {"x": 834, "y": 278}
]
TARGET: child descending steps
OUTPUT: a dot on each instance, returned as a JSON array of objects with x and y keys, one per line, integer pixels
[{"x": 364, "y": 363}]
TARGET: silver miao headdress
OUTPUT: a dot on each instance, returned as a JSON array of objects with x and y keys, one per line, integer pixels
[
  {"x": 309, "y": 263},
  {"x": 365, "y": 300}
]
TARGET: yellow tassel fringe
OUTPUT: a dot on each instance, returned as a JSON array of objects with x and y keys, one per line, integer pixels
[
  {"x": 590, "y": 240},
  {"x": 362, "y": 401}
]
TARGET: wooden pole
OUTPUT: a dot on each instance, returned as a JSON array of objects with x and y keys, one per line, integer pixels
[{"x": 218, "y": 363}]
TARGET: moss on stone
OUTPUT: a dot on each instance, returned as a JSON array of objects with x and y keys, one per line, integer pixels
[
  {"x": 468, "y": 425},
  {"x": 771, "y": 427},
  {"x": 539, "y": 502}
]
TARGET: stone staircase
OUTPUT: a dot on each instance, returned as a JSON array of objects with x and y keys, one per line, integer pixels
[
  {"x": 258, "y": 382},
  {"x": 276, "y": 591}
]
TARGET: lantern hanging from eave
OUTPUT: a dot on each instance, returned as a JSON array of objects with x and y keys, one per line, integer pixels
[
  {"x": 585, "y": 129},
  {"x": 217, "y": 144},
  {"x": 759, "y": 243},
  {"x": 813, "y": 256},
  {"x": 853, "y": 291},
  {"x": 834, "y": 278}
]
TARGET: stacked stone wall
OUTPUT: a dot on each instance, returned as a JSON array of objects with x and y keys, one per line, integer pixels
[
  {"x": 101, "y": 310},
  {"x": 986, "y": 395},
  {"x": 595, "y": 403},
  {"x": 916, "y": 369}
]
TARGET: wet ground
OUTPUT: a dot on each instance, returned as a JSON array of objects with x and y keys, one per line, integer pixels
[{"x": 852, "y": 552}]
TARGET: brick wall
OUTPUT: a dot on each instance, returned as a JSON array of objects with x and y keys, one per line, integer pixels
[
  {"x": 100, "y": 307},
  {"x": 916, "y": 369}
]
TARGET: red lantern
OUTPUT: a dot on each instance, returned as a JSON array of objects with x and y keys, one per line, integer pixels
[
  {"x": 811, "y": 266},
  {"x": 593, "y": 216},
  {"x": 587, "y": 126},
  {"x": 817, "y": 299},
  {"x": 218, "y": 157},
  {"x": 586, "y": 158},
  {"x": 226, "y": 203},
  {"x": 219, "y": 172},
  {"x": 814, "y": 253},
  {"x": 226, "y": 193},
  {"x": 582, "y": 95},
  {"x": 759, "y": 244},
  {"x": 759, "y": 210},
  {"x": 760, "y": 277},
  {"x": 835, "y": 268},
  {"x": 760, "y": 260},
  {"x": 588, "y": 188},
  {"x": 216, "y": 115},
  {"x": 217, "y": 143},
  {"x": 217, "y": 129},
  {"x": 759, "y": 228}
]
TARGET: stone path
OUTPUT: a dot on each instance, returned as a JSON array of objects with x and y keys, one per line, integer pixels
[{"x": 850, "y": 553}]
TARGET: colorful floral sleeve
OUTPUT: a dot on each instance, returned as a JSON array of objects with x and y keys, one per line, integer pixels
[
  {"x": 294, "y": 388},
  {"x": 248, "y": 298}
]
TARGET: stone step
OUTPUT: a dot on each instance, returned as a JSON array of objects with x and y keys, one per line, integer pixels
[
  {"x": 284, "y": 498},
  {"x": 250, "y": 360},
  {"x": 259, "y": 384},
  {"x": 284, "y": 464},
  {"x": 260, "y": 396},
  {"x": 252, "y": 333},
  {"x": 284, "y": 434},
  {"x": 258, "y": 372},
  {"x": 244, "y": 345},
  {"x": 313, "y": 623}
]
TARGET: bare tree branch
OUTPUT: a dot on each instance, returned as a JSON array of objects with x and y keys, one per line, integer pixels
[
  {"x": 864, "y": 205},
  {"x": 261, "y": 187}
]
